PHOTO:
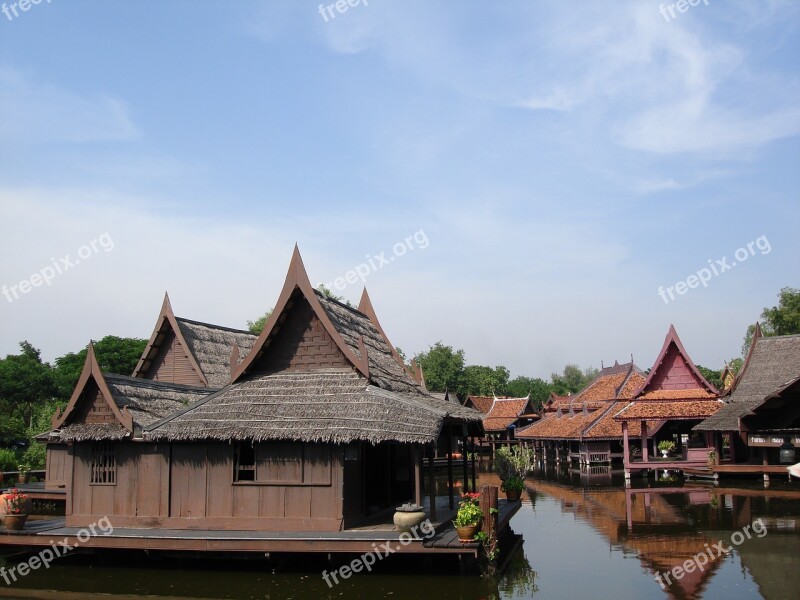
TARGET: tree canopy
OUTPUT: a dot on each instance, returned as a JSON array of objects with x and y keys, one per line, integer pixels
[{"x": 783, "y": 319}]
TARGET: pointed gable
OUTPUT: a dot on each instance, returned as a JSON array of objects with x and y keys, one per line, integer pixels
[
  {"x": 299, "y": 333},
  {"x": 166, "y": 356},
  {"x": 189, "y": 352},
  {"x": 674, "y": 375},
  {"x": 92, "y": 403}
]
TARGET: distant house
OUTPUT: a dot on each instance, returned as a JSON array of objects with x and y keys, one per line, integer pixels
[
  {"x": 761, "y": 408},
  {"x": 504, "y": 416},
  {"x": 581, "y": 427},
  {"x": 676, "y": 397},
  {"x": 315, "y": 424}
]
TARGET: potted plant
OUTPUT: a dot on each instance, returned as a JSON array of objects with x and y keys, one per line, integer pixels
[
  {"x": 666, "y": 447},
  {"x": 513, "y": 463},
  {"x": 24, "y": 469},
  {"x": 468, "y": 518},
  {"x": 15, "y": 510},
  {"x": 712, "y": 458},
  {"x": 513, "y": 487}
]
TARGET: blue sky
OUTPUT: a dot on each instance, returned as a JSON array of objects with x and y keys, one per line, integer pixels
[{"x": 563, "y": 159}]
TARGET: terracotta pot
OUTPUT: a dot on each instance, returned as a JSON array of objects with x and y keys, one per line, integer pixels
[
  {"x": 513, "y": 495},
  {"x": 467, "y": 534},
  {"x": 14, "y": 522}
]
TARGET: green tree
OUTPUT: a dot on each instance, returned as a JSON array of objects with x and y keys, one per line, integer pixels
[
  {"x": 713, "y": 377},
  {"x": 539, "y": 389},
  {"x": 783, "y": 319},
  {"x": 442, "y": 367},
  {"x": 114, "y": 355},
  {"x": 480, "y": 380},
  {"x": 572, "y": 380},
  {"x": 26, "y": 382},
  {"x": 257, "y": 325}
]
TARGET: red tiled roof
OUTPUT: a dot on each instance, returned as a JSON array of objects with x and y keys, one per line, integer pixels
[
  {"x": 634, "y": 383},
  {"x": 663, "y": 411},
  {"x": 690, "y": 394},
  {"x": 504, "y": 412},
  {"x": 554, "y": 427},
  {"x": 602, "y": 388},
  {"x": 607, "y": 428},
  {"x": 481, "y": 403}
]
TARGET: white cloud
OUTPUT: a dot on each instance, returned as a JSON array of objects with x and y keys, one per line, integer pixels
[{"x": 35, "y": 112}]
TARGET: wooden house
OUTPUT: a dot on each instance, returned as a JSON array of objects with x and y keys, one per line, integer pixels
[
  {"x": 676, "y": 397},
  {"x": 581, "y": 427},
  {"x": 313, "y": 425},
  {"x": 762, "y": 407}
]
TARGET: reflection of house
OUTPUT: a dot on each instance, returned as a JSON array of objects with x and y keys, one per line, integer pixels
[
  {"x": 654, "y": 526},
  {"x": 582, "y": 426},
  {"x": 763, "y": 406},
  {"x": 677, "y": 396},
  {"x": 313, "y": 425}
]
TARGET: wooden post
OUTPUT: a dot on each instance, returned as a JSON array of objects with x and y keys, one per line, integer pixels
[
  {"x": 488, "y": 501},
  {"x": 626, "y": 453},
  {"x": 432, "y": 485},
  {"x": 645, "y": 449},
  {"x": 415, "y": 456},
  {"x": 474, "y": 453},
  {"x": 450, "y": 466},
  {"x": 464, "y": 459}
]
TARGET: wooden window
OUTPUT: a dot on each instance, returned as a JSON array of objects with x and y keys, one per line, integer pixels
[
  {"x": 282, "y": 463},
  {"x": 244, "y": 468},
  {"x": 104, "y": 464}
]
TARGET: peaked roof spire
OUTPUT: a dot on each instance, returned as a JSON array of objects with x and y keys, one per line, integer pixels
[
  {"x": 365, "y": 306},
  {"x": 91, "y": 369},
  {"x": 672, "y": 339},
  {"x": 297, "y": 280}
]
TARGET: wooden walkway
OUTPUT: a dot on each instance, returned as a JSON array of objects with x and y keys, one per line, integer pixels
[{"x": 39, "y": 533}]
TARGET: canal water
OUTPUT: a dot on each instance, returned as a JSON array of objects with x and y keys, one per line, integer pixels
[{"x": 585, "y": 536}]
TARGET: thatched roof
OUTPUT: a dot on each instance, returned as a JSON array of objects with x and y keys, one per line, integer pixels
[
  {"x": 147, "y": 401},
  {"x": 384, "y": 369},
  {"x": 211, "y": 346},
  {"x": 324, "y": 405},
  {"x": 772, "y": 362}
]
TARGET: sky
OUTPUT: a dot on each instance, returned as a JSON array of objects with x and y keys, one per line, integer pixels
[{"x": 536, "y": 183}]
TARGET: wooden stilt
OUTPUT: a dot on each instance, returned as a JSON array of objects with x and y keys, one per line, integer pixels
[{"x": 450, "y": 467}]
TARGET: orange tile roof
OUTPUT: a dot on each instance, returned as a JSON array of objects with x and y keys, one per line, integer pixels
[
  {"x": 602, "y": 388},
  {"x": 481, "y": 403},
  {"x": 554, "y": 427},
  {"x": 607, "y": 428},
  {"x": 690, "y": 394},
  {"x": 634, "y": 383},
  {"x": 663, "y": 411},
  {"x": 504, "y": 412}
]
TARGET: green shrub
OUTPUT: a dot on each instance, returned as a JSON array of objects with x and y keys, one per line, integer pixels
[
  {"x": 35, "y": 456},
  {"x": 8, "y": 460}
]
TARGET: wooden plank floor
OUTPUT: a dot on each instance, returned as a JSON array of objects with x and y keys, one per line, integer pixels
[{"x": 40, "y": 532}]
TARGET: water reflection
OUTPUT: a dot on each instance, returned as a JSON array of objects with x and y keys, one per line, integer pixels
[{"x": 664, "y": 524}]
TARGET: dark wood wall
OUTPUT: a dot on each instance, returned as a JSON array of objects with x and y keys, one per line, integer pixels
[
  {"x": 58, "y": 463},
  {"x": 190, "y": 486},
  {"x": 172, "y": 364}
]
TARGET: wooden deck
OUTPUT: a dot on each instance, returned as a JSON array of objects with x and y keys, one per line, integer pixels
[
  {"x": 366, "y": 538},
  {"x": 714, "y": 472},
  {"x": 36, "y": 491}
]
